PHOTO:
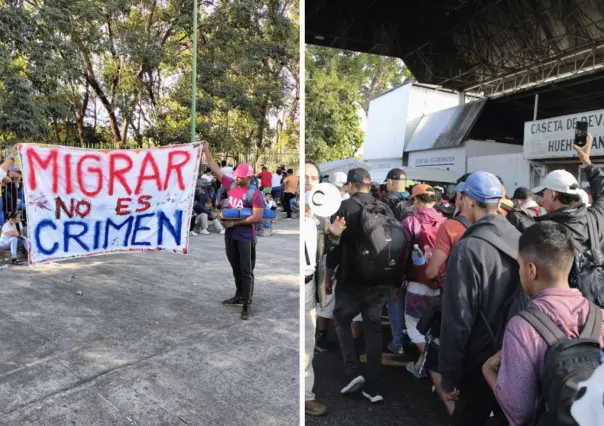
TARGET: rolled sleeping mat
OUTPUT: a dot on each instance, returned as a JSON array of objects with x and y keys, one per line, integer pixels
[{"x": 246, "y": 212}]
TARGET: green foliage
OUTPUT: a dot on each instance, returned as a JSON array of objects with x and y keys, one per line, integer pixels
[
  {"x": 119, "y": 72},
  {"x": 339, "y": 86}
]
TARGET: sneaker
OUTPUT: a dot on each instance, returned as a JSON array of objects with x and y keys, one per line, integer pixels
[
  {"x": 205, "y": 232},
  {"x": 373, "y": 398},
  {"x": 314, "y": 408},
  {"x": 246, "y": 312},
  {"x": 321, "y": 343},
  {"x": 193, "y": 233},
  {"x": 222, "y": 232},
  {"x": 233, "y": 301},
  {"x": 413, "y": 368},
  {"x": 355, "y": 385},
  {"x": 395, "y": 350}
]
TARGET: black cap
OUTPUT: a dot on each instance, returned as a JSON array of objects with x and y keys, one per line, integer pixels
[
  {"x": 359, "y": 175},
  {"x": 396, "y": 174},
  {"x": 522, "y": 194}
]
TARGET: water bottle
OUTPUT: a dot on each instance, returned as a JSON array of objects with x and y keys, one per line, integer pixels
[{"x": 418, "y": 256}]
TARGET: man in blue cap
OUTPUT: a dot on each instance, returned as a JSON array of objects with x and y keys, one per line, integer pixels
[{"x": 482, "y": 278}]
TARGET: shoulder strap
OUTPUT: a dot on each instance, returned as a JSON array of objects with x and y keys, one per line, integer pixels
[
  {"x": 596, "y": 253},
  {"x": 543, "y": 325},
  {"x": 496, "y": 242},
  {"x": 593, "y": 326},
  {"x": 463, "y": 220}
]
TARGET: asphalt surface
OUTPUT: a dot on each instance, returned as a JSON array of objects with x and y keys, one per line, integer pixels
[
  {"x": 148, "y": 341},
  {"x": 407, "y": 400}
]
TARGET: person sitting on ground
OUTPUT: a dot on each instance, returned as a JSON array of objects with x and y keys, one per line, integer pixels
[
  {"x": 265, "y": 229},
  {"x": 524, "y": 200},
  {"x": 204, "y": 215},
  {"x": 545, "y": 257},
  {"x": 12, "y": 235}
]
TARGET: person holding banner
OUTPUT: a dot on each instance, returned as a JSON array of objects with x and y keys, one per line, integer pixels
[{"x": 240, "y": 236}]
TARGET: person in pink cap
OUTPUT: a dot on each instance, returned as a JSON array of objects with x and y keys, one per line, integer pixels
[{"x": 240, "y": 236}]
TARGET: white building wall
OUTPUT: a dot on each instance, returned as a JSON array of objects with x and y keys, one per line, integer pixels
[
  {"x": 386, "y": 125},
  {"x": 453, "y": 159},
  {"x": 477, "y": 148},
  {"x": 514, "y": 169},
  {"x": 424, "y": 101}
]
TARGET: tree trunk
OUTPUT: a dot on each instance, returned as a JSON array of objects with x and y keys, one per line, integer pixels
[
  {"x": 80, "y": 129},
  {"x": 55, "y": 128},
  {"x": 92, "y": 80}
]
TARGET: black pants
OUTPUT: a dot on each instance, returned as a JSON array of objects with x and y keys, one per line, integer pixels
[
  {"x": 286, "y": 199},
  {"x": 369, "y": 301},
  {"x": 242, "y": 257},
  {"x": 475, "y": 403}
]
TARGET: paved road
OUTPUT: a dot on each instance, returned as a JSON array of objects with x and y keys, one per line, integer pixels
[
  {"x": 148, "y": 342},
  {"x": 407, "y": 401}
]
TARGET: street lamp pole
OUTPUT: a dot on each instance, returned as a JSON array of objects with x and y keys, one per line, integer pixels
[{"x": 194, "y": 77}]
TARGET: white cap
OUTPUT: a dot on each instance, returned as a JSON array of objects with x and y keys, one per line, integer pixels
[
  {"x": 584, "y": 197},
  {"x": 338, "y": 179},
  {"x": 559, "y": 181},
  {"x": 588, "y": 409}
]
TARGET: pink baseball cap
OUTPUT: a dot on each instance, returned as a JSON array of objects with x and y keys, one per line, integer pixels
[{"x": 243, "y": 170}]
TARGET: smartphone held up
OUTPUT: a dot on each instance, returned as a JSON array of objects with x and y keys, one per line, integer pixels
[{"x": 581, "y": 133}]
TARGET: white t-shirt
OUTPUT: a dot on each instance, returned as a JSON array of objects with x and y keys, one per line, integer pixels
[
  {"x": 276, "y": 180},
  {"x": 227, "y": 171},
  {"x": 310, "y": 242},
  {"x": 2, "y": 174},
  {"x": 7, "y": 227},
  {"x": 207, "y": 179}
]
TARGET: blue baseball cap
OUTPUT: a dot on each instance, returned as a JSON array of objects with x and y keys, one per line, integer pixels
[{"x": 482, "y": 187}]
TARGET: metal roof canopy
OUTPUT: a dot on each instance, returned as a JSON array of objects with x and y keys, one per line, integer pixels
[
  {"x": 485, "y": 46},
  {"x": 447, "y": 128}
]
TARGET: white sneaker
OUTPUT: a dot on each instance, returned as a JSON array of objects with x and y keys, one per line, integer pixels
[
  {"x": 373, "y": 398},
  {"x": 222, "y": 232},
  {"x": 205, "y": 232},
  {"x": 355, "y": 385},
  {"x": 193, "y": 233}
]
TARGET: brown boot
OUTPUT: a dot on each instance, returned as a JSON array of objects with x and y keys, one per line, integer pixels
[{"x": 314, "y": 408}]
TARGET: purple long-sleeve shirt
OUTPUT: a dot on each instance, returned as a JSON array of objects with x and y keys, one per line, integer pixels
[{"x": 524, "y": 350}]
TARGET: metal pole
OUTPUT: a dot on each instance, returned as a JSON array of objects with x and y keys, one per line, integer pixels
[
  {"x": 194, "y": 78},
  {"x": 536, "y": 105}
]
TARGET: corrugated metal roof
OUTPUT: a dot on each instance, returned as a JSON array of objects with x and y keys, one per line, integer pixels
[
  {"x": 445, "y": 129},
  {"x": 341, "y": 165}
]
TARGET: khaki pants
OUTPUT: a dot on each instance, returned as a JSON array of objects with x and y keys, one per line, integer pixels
[{"x": 202, "y": 222}]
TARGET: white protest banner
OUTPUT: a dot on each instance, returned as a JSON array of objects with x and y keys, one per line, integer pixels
[{"x": 83, "y": 202}]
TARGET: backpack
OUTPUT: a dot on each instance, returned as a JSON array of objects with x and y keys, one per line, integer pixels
[
  {"x": 247, "y": 199},
  {"x": 520, "y": 218},
  {"x": 400, "y": 208},
  {"x": 447, "y": 209},
  {"x": 381, "y": 247},
  {"x": 518, "y": 300},
  {"x": 587, "y": 274},
  {"x": 427, "y": 237},
  {"x": 567, "y": 362}
]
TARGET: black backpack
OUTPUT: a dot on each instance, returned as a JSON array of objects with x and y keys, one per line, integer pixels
[
  {"x": 567, "y": 362},
  {"x": 382, "y": 242},
  {"x": 587, "y": 274},
  {"x": 400, "y": 208}
]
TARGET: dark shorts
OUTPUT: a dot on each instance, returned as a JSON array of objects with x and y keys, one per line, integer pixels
[{"x": 432, "y": 357}]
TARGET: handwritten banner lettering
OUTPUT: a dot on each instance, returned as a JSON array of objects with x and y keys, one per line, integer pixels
[{"x": 83, "y": 202}]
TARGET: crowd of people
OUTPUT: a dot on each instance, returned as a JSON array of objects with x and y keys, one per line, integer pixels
[
  {"x": 12, "y": 209},
  {"x": 280, "y": 190},
  {"x": 502, "y": 297}
]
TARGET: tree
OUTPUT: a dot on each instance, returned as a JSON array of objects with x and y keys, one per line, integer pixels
[
  {"x": 118, "y": 72},
  {"x": 339, "y": 86}
]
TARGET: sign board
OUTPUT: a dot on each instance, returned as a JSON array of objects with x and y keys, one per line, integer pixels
[
  {"x": 445, "y": 159},
  {"x": 83, "y": 202},
  {"x": 554, "y": 137}
]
